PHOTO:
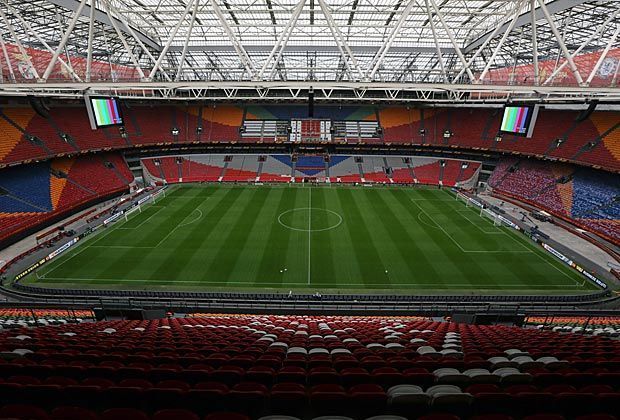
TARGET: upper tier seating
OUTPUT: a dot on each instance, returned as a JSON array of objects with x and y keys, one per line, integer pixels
[
  {"x": 25, "y": 135},
  {"x": 32, "y": 194},
  {"x": 587, "y": 197},
  {"x": 305, "y": 366}
]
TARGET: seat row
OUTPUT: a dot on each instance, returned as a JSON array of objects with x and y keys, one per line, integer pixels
[{"x": 358, "y": 401}]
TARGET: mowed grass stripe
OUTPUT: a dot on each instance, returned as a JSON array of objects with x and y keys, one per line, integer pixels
[
  {"x": 253, "y": 245},
  {"x": 346, "y": 267},
  {"x": 322, "y": 254},
  {"x": 228, "y": 257},
  {"x": 405, "y": 237},
  {"x": 279, "y": 242},
  {"x": 392, "y": 239},
  {"x": 193, "y": 245},
  {"x": 366, "y": 254},
  {"x": 430, "y": 245}
]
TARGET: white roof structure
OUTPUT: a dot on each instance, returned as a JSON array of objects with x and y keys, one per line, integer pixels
[{"x": 452, "y": 50}]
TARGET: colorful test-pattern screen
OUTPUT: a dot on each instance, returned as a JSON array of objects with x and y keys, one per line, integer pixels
[
  {"x": 516, "y": 120},
  {"x": 106, "y": 112}
]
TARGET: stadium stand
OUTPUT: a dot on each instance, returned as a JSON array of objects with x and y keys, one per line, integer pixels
[
  {"x": 305, "y": 367},
  {"x": 274, "y": 170},
  {"x": 337, "y": 168},
  {"x": 586, "y": 197},
  {"x": 34, "y": 194},
  {"x": 594, "y": 141},
  {"x": 191, "y": 168},
  {"x": 242, "y": 168},
  {"x": 608, "y": 326},
  {"x": 24, "y": 318}
]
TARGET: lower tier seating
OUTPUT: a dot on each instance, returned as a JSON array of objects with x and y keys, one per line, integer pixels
[
  {"x": 336, "y": 168},
  {"x": 586, "y": 197},
  {"x": 33, "y": 194},
  {"x": 246, "y": 367},
  {"x": 608, "y": 326}
]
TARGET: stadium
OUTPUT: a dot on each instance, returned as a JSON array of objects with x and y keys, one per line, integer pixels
[{"x": 310, "y": 209}]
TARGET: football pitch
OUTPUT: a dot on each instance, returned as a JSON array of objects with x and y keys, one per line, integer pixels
[{"x": 328, "y": 239}]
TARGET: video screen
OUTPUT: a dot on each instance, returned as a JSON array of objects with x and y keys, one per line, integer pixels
[
  {"x": 516, "y": 120},
  {"x": 106, "y": 112}
]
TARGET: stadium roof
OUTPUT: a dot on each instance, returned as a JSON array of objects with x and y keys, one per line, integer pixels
[{"x": 358, "y": 49}]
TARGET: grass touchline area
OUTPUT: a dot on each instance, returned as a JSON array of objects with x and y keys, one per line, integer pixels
[{"x": 377, "y": 240}]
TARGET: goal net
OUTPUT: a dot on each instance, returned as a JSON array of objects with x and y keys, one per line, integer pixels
[
  {"x": 469, "y": 202},
  {"x": 497, "y": 221},
  {"x": 151, "y": 198}
]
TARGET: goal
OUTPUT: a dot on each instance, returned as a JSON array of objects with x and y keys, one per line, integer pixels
[
  {"x": 469, "y": 202},
  {"x": 152, "y": 198},
  {"x": 497, "y": 221}
]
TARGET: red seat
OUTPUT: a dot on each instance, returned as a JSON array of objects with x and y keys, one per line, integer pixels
[
  {"x": 355, "y": 376},
  {"x": 73, "y": 413},
  {"x": 328, "y": 399},
  {"x": 367, "y": 399},
  {"x": 293, "y": 374},
  {"x": 230, "y": 375},
  {"x": 597, "y": 389},
  {"x": 23, "y": 380},
  {"x": 136, "y": 383},
  {"x": 173, "y": 384},
  {"x": 123, "y": 414},
  {"x": 492, "y": 403},
  {"x": 323, "y": 375},
  {"x": 213, "y": 395},
  {"x": 575, "y": 403},
  {"x": 121, "y": 396},
  {"x": 288, "y": 398},
  {"x": 23, "y": 411},
  {"x": 248, "y": 397},
  {"x": 100, "y": 382},
  {"x": 387, "y": 377},
  {"x": 260, "y": 374},
  {"x": 530, "y": 403}
]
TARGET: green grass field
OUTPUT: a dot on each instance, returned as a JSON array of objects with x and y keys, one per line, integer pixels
[{"x": 350, "y": 239}]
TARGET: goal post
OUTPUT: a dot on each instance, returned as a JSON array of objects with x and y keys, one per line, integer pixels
[
  {"x": 497, "y": 221},
  {"x": 132, "y": 210},
  {"x": 469, "y": 202},
  {"x": 151, "y": 198},
  {"x": 465, "y": 199},
  {"x": 161, "y": 193}
]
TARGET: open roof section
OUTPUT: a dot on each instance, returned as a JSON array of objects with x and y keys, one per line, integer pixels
[{"x": 407, "y": 49}]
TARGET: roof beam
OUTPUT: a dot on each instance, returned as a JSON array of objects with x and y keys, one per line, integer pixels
[
  {"x": 102, "y": 17},
  {"x": 553, "y": 7},
  {"x": 358, "y": 49}
]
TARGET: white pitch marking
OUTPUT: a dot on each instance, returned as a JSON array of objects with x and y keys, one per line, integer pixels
[
  {"x": 465, "y": 285},
  {"x": 180, "y": 225},
  {"x": 145, "y": 220},
  {"x": 459, "y": 245}
]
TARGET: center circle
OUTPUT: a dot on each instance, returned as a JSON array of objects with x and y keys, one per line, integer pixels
[{"x": 287, "y": 219}]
